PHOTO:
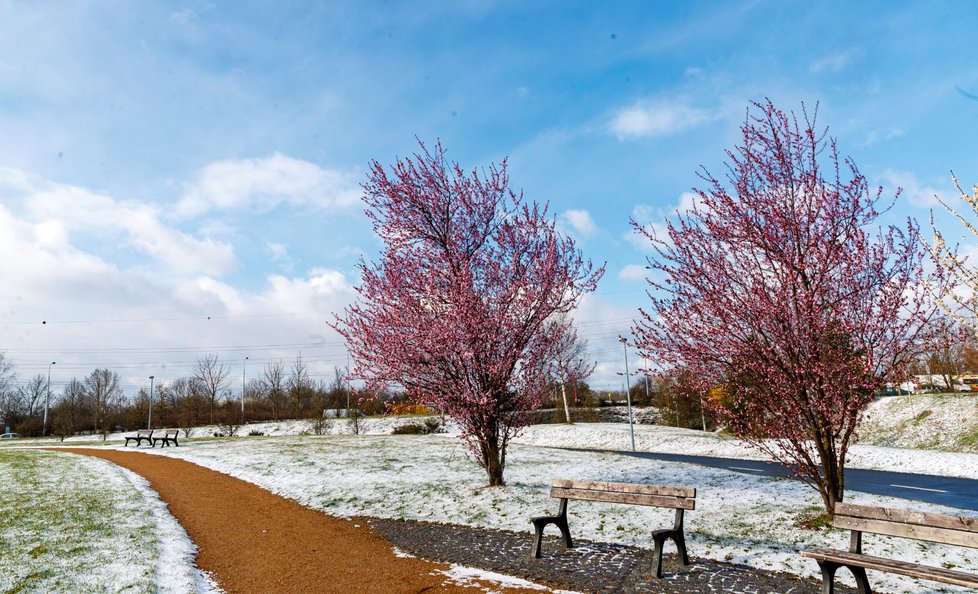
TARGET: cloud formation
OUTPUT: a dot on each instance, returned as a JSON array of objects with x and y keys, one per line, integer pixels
[
  {"x": 913, "y": 191},
  {"x": 654, "y": 220},
  {"x": 61, "y": 210},
  {"x": 262, "y": 184},
  {"x": 648, "y": 118},
  {"x": 836, "y": 62},
  {"x": 579, "y": 222},
  {"x": 632, "y": 272}
]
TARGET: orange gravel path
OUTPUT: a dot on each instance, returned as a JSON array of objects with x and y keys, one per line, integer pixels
[{"x": 251, "y": 540}]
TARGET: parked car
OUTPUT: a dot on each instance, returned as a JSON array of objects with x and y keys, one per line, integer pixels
[{"x": 9, "y": 436}]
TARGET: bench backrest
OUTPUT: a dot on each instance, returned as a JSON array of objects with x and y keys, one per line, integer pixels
[
  {"x": 144, "y": 431},
  {"x": 652, "y": 495},
  {"x": 940, "y": 528},
  {"x": 172, "y": 433}
]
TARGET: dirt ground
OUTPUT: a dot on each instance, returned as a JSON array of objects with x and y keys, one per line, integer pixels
[{"x": 251, "y": 540}]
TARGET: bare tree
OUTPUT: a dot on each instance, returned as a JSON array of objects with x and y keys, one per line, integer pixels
[
  {"x": 212, "y": 379},
  {"x": 299, "y": 385},
  {"x": 9, "y": 399},
  {"x": 571, "y": 362},
  {"x": 272, "y": 386},
  {"x": 338, "y": 391},
  {"x": 32, "y": 395},
  {"x": 102, "y": 394},
  {"x": 67, "y": 413}
]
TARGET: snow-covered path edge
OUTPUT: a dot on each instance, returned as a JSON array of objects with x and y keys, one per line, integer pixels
[{"x": 176, "y": 570}]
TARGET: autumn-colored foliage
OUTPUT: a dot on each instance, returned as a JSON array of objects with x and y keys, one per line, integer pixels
[
  {"x": 455, "y": 307},
  {"x": 781, "y": 286},
  {"x": 409, "y": 408}
]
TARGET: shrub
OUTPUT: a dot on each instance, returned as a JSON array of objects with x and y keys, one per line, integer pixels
[{"x": 430, "y": 425}]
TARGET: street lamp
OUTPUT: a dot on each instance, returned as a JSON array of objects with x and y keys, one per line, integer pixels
[
  {"x": 149, "y": 423},
  {"x": 244, "y": 369},
  {"x": 628, "y": 391},
  {"x": 47, "y": 400}
]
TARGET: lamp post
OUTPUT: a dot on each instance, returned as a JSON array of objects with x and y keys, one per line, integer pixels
[
  {"x": 244, "y": 370},
  {"x": 47, "y": 400},
  {"x": 149, "y": 422},
  {"x": 628, "y": 392}
]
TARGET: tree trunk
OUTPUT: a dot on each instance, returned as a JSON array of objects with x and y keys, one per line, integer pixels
[
  {"x": 491, "y": 459},
  {"x": 832, "y": 484},
  {"x": 563, "y": 391}
]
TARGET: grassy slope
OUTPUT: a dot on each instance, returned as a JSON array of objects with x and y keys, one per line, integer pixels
[{"x": 946, "y": 422}]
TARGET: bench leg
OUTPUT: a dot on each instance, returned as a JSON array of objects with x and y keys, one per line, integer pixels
[
  {"x": 560, "y": 520},
  {"x": 659, "y": 538},
  {"x": 828, "y": 576},
  {"x": 862, "y": 581},
  {"x": 680, "y": 540}
]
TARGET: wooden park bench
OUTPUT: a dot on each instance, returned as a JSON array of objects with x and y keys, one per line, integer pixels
[
  {"x": 141, "y": 436},
  {"x": 169, "y": 436},
  {"x": 678, "y": 498},
  {"x": 939, "y": 528}
]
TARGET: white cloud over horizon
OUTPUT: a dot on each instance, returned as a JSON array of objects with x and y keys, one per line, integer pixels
[{"x": 116, "y": 286}]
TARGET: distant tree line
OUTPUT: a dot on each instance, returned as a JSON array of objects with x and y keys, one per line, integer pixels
[{"x": 97, "y": 404}]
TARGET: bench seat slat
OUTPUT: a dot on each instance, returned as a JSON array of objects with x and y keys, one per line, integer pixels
[
  {"x": 907, "y": 517},
  {"x": 915, "y": 531},
  {"x": 665, "y": 490},
  {"x": 618, "y": 497},
  {"x": 928, "y": 572}
]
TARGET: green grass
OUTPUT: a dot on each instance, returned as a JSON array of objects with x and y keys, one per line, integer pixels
[{"x": 72, "y": 524}]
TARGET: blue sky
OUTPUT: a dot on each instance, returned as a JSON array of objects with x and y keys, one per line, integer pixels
[{"x": 183, "y": 178}]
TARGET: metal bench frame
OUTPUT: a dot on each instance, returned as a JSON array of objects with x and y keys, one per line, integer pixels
[
  {"x": 678, "y": 498},
  {"x": 141, "y": 436},
  {"x": 939, "y": 528},
  {"x": 170, "y": 435}
]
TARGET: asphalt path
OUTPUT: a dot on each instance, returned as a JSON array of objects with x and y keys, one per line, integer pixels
[{"x": 945, "y": 490}]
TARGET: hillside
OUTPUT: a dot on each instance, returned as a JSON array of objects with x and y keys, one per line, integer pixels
[{"x": 946, "y": 422}]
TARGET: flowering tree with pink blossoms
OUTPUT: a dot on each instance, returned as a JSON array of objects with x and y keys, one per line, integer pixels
[
  {"x": 456, "y": 307},
  {"x": 781, "y": 286}
]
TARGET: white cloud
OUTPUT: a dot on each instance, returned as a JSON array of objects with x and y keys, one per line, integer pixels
[
  {"x": 913, "y": 191},
  {"x": 656, "y": 118},
  {"x": 262, "y": 184},
  {"x": 580, "y": 222},
  {"x": 633, "y": 272},
  {"x": 654, "y": 220},
  {"x": 877, "y": 135},
  {"x": 277, "y": 250},
  {"x": 60, "y": 210},
  {"x": 832, "y": 63}
]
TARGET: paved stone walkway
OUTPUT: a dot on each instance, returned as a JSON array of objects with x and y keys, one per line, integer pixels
[{"x": 589, "y": 567}]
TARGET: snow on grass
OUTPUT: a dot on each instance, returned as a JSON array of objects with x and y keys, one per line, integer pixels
[
  {"x": 78, "y": 524},
  {"x": 739, "y": 518},
  {"x": 332, "y": 426},
  {"x": 651, "y": 438},
  {"x": 931, "y": 421}
]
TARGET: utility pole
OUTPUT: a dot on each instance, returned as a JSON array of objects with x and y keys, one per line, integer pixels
[
  {"x": 244, "y": 369},
  {"x": 149, "y": 423},
  {"x": 47, "y": 400},
  {"x": 628, "y": 392}
]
